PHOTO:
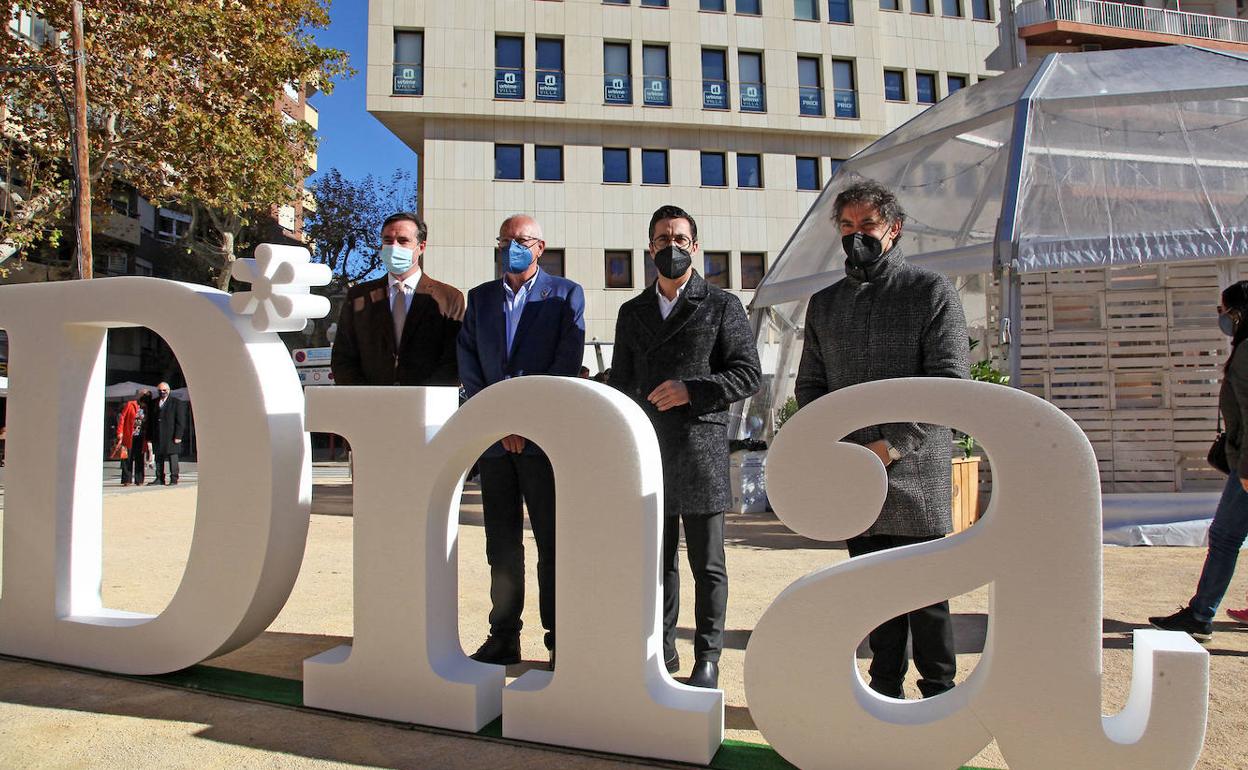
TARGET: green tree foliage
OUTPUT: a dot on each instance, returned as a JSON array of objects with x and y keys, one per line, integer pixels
[
  {"x": 345, "y": 229},
  {"x": 183, "y": 105}
]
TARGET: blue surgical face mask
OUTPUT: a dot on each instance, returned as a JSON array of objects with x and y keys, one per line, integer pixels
[
  {"x": 519, "y": 257},
  {"x": 1227, "y": 323},
  {"x": 397, "y": 259}
]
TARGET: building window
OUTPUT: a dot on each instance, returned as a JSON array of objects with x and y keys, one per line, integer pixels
[
  {"x": 171, "y": 225},
  {"x": 808, "y": 173},
  {"x": 615, "y": 2},
  {"x": 508, "y": 67},
  {"x": 648, "y": 267},
  {"x": 805, "y": 10},
  {"x": 619, "y": 269},
  {"x": 654, "y": 76},
  {"x": 615, "y": 165},
  {"x": 753, "y": 92},
  {"x": 654, "y": 167},
  {"x": 844, "y": 89},
  {"x": 750, "y": 7},
  {"x": 982, "y": 10},
  {"x": 841, "y": 11},
  {"x": 654, "y": 3},
  {"x": 895, "y": 85},
  {"x": 548, "y": 164},
  {"x": 711, "y": 5},
  {"x": 714, "y": 79},
  {"x": 951, "y": 7},
  {"x": 409, "y": 63},
  {"x": 954, "y": 83},
  {"x": 549, "y": 69},
  {"x": 836, "y": 165},
  {"x": 753, "y": 268},
  {"x": 509, "y": 161},
  {"x": 552, "y": 262},
  {"x": 715, "y": 268},
  {"x": 714, "y": 170},
  {"x": 749, "y": 170},
  {"x": 810, "y": 86},
  {"x": 617, "y": 78},
  {"x": 925, "y": 87},
  {"x": 890, "y": 5},
  {"x": 921, "y": 6}
]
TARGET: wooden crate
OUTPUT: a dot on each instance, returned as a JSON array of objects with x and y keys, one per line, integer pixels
[
  {"x": 1135, "y": 310},
  {"x": 1075, "y": 350},
  {"x": 965, "y": 492},
  {"x": 1080, "y": 311},
  {"x": 1148, "y": 349},
  {"x": 1136, "y": 277},
  {"x": 1079, "y": 389},
  {"x": 1144, "y": 456},
  {"x": 1139, "y": 389}
]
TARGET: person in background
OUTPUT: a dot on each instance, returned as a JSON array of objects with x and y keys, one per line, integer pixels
[
  {"x": 1230, "y": 519},
  {"x": 130, "y": 435},
  {"x": 167, "y": 421}
]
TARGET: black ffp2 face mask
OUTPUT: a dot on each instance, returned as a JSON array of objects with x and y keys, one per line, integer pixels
[
  {"x": 862, "y": 249},
  {"x": 672, "y": 261}
]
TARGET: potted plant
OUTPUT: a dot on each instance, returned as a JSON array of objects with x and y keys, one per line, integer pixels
[{"x": 966, "y": 467}]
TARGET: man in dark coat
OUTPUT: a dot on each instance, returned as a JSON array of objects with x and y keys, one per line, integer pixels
[
  {"x": 399, "y": 329},
  {"x": 684, "y": 351},
  {"x": 527, "y": 322},
  {"x": 166, "y": 427},
  {"x": 888, "y": 319}
]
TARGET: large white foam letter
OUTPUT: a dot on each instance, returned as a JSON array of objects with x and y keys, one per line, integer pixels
[
  {"x": 1037, "y": 688},
  {"x": 407, "y": 664},
  {"x": 255, "y": 483}
]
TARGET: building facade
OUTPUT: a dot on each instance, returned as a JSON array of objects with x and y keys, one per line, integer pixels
[{"x": 590, "y": 115}]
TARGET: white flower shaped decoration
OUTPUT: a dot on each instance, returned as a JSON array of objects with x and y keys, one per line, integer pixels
[{"x": 279, "y": 300}]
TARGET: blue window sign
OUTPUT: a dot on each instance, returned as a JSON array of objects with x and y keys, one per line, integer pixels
[
  {"x": 657, "y": 92},
  {"x": 508, "y": 83},
  {"x": 409, "y": 80},
  {"x": 617, "y": 89},
  {"x": 810, "y": 101},
  {"x": 846, "y": 104},
  {"x": 549, "y": 86},
  {"x": 714, "y": 95},
  {"x": 753, "y": 98}
]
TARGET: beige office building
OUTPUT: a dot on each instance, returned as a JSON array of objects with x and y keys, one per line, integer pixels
[{"x": 590, "y": 115}]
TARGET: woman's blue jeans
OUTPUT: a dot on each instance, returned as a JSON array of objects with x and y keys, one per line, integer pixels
[{"x": 1226, "y": 537}]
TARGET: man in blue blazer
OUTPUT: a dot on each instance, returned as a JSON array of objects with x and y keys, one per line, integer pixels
[{"x": 527, "y": 322}]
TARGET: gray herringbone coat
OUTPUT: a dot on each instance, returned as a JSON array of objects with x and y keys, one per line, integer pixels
[
  {"x": 897, "y": 321},
  {"x": 706, "y": 343}
]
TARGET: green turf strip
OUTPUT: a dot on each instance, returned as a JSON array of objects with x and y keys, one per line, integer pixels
[{"x": 732, "y": 755}]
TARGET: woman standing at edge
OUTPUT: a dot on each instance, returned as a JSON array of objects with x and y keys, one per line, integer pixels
[{"x": 1230, "y": 520}]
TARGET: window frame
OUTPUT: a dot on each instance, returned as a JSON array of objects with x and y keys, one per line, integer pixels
[
  {"x": 508, "y": 146},
  {"x": 397, "y": 67},
  {"x": 537, "y": 149},
  {"x": 901, "y": 81},
  {"x": 758, "y": 157},
  {"x": 607, "y": 256},
  {"x": 798, "y": 175},
  {"x": 762, "y": 255},
  {"x": 703, "y": 157},
  {"x": 628, "y": 165},
  {"x": 667, "y": 166},
  {"x": 712, "y": 278}
]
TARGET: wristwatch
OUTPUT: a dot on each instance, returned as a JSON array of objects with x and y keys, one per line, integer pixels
[{"x": 893, "y": 454}]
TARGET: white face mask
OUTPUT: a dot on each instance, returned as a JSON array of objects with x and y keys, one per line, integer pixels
[{"x": 397, "y": 259}]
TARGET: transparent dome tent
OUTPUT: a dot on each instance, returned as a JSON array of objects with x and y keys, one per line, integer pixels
[{"x": 1079, "y": 160}]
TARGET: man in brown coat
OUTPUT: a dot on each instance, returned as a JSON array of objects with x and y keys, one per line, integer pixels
[{"x": 399, "y": 329}]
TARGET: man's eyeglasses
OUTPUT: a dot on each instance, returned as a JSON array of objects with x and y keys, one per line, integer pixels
[
  {"x": 663, "y": 241},
  {"x": 526, "y": 241}
]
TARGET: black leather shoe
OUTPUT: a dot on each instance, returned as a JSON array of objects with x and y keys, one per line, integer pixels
[
  {"x": 155, "y": 483},
  {"x": 673, "y": 663},
  {"x": 500, "y": 650},
  {"x": 705, "y": 674}
]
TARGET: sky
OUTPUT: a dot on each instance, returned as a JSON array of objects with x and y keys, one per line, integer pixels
[{"x": 351, "y": 140}]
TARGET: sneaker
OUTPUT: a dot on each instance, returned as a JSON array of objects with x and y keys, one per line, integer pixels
[
  {"x": 1185, "y": 622},
  {"x": 1239, "y": 615}
]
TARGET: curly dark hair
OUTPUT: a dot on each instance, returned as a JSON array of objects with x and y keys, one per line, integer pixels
[{"x": 873, "y": 194}]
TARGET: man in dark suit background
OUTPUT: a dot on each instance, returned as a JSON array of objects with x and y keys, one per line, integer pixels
[
  {"x": 684, "y": 351},
  {"x": 527, "y": 322},
  {"x": 165, "y": 431},
  {"x": 399, "y": 329}
]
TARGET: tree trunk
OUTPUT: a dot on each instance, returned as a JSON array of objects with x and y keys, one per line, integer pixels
[{"x": 227, "y": 260}]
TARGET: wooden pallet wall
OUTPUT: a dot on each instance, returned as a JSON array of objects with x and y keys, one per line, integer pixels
[{"x": 1133, "y": 356}]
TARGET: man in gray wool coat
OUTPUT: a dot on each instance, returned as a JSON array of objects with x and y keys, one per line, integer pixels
[
  {"x": 684, "y": 352},
  {"x": 887, "y": 319}
]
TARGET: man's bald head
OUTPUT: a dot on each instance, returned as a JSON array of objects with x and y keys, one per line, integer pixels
[{"x": 521, "y": 226}]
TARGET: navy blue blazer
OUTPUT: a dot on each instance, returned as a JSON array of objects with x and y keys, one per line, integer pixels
[{"x": 550, "y": 338}]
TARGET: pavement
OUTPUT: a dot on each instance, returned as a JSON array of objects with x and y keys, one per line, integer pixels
[{"x": 53, "y": 716}]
